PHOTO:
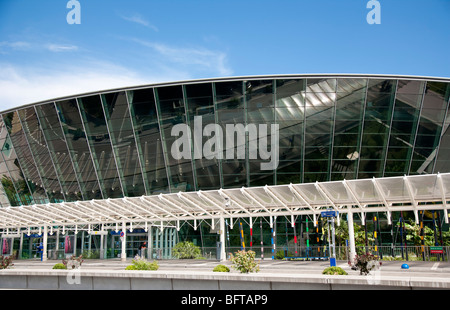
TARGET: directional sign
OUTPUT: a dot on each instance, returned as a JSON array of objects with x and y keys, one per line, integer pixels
[
  {"x": 329, "y": 213},
  {"x": 436, "y": 250}
]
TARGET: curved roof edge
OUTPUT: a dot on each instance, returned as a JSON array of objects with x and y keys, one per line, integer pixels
[{"x": 237, "y": 78}]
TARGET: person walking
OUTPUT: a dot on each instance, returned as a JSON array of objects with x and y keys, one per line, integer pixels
[{"x": 141, "y": 248}]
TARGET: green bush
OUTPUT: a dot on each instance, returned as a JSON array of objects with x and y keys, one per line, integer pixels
[
  {"x": 142, "y": 264},
  {"x": 89, "y": 254},
  {"x": 186, "y": 250},
  {"x": 279, "y": 254},
  {"x": 244, "y": 261},
  {"x": 334, "y": 271},
  {"x": 59, "y": 266},
  {"x": 221, "y": 268}
]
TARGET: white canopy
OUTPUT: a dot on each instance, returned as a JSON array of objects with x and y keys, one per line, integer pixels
[{"x": 408, "y": 193}]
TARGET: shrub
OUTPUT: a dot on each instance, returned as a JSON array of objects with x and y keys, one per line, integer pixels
[
  {"x": 366, "y": 262},
  {"x": 142, "y": 264},
  {"x": 59, "y": 266},
  {"x": 186, "y": 250},
  {"x": 244, "y": 261},
  {"x": 279, "y": 254},
  {"x": 221, "y": 268},
  {"x": 89, "y": 254},
  {"x": 73, "y": 262},
  {"x": 6, "y": 262},
  {"x": 334, "y": 271}
]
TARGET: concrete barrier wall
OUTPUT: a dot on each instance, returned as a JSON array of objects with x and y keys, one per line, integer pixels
[{"x": 161, "y": 280}]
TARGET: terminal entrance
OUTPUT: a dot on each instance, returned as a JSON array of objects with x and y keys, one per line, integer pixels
[{"x": 107, "y": 245}]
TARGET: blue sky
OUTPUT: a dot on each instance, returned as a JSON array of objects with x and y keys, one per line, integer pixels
[{"x": 125, "y": 43}]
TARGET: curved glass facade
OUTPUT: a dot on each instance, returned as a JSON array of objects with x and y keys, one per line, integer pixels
[{"x": 120, "y": 143}]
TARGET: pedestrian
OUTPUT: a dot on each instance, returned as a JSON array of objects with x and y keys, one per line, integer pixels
[{"x": 141, "y": 248}]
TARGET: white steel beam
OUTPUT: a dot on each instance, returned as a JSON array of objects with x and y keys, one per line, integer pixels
[
  {"x": 245, "y": 192},
  {"x": 205, "y": 196},
  {"x": 412, "y": 197},
  {"x": 167, "y": 201},
  {"x": 133, "y": 203},
  {"x": 444, "y": 199},
  {"x": 383, "y": 199},
  {"x": 223, "y": 194},
  {"x": 269, "y": 191},
  {"x": 300, "y": 197},
  {"x": 147, "y": 200}
]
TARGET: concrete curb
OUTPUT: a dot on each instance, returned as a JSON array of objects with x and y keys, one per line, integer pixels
[{"x": 194, "y": 280}]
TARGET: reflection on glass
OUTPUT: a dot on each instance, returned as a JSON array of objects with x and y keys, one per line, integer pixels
[
  {"x": 8, "y": 157},
  {"x": 230, "y": 110},
  {"x": 290, "y": 114},
  {"x": 124, "y": 144},
  {"x": 23, "y": 170},
  {"x": 120, "y": 143},
  {"x": 144, "y": 116},
  {"x": 75, "y": 136},
  {"x": 172, "y": 112},
  {"x": 376, "y": 128},
  {"x": 100, "y": 145},
  {"x": 60, "y": 155},
  {"x": 200, "y": 105}
]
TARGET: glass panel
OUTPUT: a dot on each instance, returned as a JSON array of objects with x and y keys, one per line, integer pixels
[
  {"x": 200, "y": 115},
  {"x": 148, "y": 137},
  {"x": 170, "y": 102},
  {"x": 78, "y": 148},
  {"x": 259, "y": 95},
  {"x": 410, "y": 87},
  {"x": 98, "y": 138},
  {"x": 430, "y": 127},
  {"x": 22, "y": 166},
  {"x": 8, "y": 156},
  {"x": 124, "y": 144},
  {"x": 348, "y": 127},
  {"x": 404, "y": 126},
  {"x": 320, "y": 104},
  {"x": 52, "y": 132},
  {"x": 230, "y": 110},
  {"x": 377, "y": 122},
  {"x": 290, "y": 116}
]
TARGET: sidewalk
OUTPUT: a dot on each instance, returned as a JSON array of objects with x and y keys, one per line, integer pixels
[{"x": 198, "y": 275}]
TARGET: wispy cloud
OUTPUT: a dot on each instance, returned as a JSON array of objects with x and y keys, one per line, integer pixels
[
  {"x": 61, "y": 47},
  {"x": 14, "y": 46},
  {"x": 138, "y": 19},
  {"x": 21, "y": 85},
  {"x": 197, "y": 58}
]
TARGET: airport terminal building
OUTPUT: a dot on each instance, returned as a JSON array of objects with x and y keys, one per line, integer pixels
[{"x": 193, "y": 160}]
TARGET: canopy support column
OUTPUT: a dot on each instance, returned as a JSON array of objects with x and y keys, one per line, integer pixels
[
  {"x": 44, "y": 244},
  {"x": 123, "y": 255},
  {"x": 222, "y": 239},
  {"x": 351, "y": 237}
]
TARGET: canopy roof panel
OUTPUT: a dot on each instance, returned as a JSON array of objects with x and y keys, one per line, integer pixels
[{"x": 408, "y": 193}]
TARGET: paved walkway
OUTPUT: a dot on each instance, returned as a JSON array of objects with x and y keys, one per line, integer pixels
[{"x": 388, "y": 268}]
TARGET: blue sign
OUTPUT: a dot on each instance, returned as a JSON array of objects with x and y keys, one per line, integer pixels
[{"x": 329, "y": 213}]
